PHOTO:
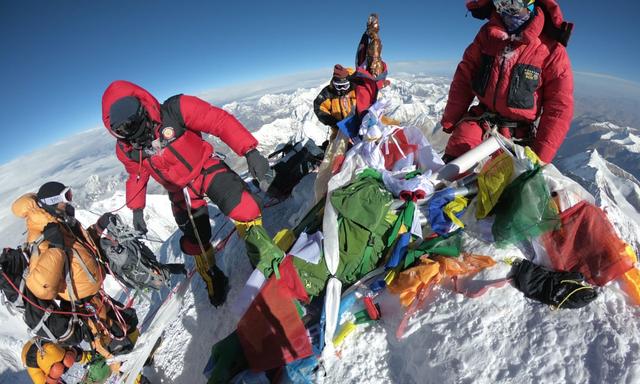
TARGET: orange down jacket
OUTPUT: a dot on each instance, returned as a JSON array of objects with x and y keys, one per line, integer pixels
[{"x": 46, "y": 278}]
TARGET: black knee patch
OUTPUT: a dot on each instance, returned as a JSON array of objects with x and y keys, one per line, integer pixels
[
  {"x": 225, "y": 190},
  {"x": 201, "y": 219},
  {"x": 31, "y": 359}
]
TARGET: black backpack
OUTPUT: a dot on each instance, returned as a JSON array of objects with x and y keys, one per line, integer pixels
[
  {"x": 60, "y": 328},
  {"x": 128, "y": 258},
  {"x": 294, "y": 161},
  {"x": 559, "y": 289}
]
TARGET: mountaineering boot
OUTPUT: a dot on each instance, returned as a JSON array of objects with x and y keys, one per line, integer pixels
[
  {"x": 220, "y": 286},
  {"x": 141, "y": 379},
  {"x": 206, "y": 266},
  {"x": 263, "y": 253},
  {"x": 176, "y": 268}
]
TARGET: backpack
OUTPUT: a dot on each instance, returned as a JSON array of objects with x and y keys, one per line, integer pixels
[
  {"x": 559, "y": 289},
  {"x": 554, "y": 26},
  {"x": 294, "y": 161},
  {"x": 129, "y": 259},
  {"x": 43, "y": 317}
]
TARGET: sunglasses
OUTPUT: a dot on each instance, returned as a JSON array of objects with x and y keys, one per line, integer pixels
[{"x": 65, "y": 196}]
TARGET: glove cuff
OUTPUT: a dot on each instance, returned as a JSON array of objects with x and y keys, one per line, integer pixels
[{"x": 251, "y": 152}]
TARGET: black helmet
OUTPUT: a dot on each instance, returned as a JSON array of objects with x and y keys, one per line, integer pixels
[
  {"x": 128, "y": 118},
  {"x": 53, "y": 192}
]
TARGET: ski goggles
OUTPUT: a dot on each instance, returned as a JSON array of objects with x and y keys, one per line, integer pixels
[
  {"x": 341, "y": 84},
  {"x": 132, "y": 125},
  {"x": 513, "y": 7},
  {"x": 130, "y": 128},
  {"x": 64, "y": 197}
]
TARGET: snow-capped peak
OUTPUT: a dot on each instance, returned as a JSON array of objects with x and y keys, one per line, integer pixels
[{"x": 615, "y": 190}]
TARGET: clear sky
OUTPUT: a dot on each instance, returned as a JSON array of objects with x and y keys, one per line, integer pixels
[{"x": 58, "y": 56}]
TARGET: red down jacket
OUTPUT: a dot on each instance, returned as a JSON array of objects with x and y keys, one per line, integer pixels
[
  {"x": 519, "y": 77},
  {"x": 180, "y": 160}
]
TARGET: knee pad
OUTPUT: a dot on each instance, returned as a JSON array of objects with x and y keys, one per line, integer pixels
[
  {"x": 189, "y": 240},
  {"x": 228, "y": 191},
  {"x": 191, "y": 247}
]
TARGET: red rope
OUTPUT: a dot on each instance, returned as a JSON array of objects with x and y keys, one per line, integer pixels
[
  {"x": 123, "y": 324},
  {"x": 124, "y": 288},
  {"x": 494, "y": 284},
  {"x": 218, "y": 247},
  {"x": 127, "y": 201}
]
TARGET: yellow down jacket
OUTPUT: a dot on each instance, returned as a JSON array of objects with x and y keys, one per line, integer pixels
[{"x": 47, "y": 273}]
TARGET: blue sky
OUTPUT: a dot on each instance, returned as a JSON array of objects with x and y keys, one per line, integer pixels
[{"x": 58, "y": 56}]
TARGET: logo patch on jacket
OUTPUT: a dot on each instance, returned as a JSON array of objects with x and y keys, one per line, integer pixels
[
  {"x": 168, "y": 133},
  {"x": 524, "y": 82},
  {"x": 531, "y": 74}
]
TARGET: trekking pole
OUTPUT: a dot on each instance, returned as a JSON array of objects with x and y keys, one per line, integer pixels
[
  {"x": 193, "y": 222},
  {"x": 153, "y": 240}
]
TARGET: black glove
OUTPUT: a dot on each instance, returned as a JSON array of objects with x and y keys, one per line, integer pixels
[
  {"x": 259, "y": 168},
  {"x": 138, "y": 221},
  {"x": 5, "y": 259},
  {"x": 104, "y": 221},
  {"x": 53, "y": 235}
]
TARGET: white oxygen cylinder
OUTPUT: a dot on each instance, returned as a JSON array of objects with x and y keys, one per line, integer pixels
[{"x": 467, "y": 161}]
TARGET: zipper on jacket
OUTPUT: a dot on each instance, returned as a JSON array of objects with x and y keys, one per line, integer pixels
[
  {"x": 503, "y": 59},
  {"x": 139, "y": 164}
]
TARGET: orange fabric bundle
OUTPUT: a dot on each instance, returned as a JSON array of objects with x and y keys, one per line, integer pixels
[
  {"x": 430, "y": 271},
  {"x": 469, "y": 265},
  {"x": 408, "y": 282}
]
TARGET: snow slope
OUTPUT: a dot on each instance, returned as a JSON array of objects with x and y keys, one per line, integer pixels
[
  {"x": 615, "y": 190},
  {"x": 618, "y": 144},
  {"x": 499, "y": 337}
]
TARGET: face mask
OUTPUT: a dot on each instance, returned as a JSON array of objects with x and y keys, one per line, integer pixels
[
  {"x": 69, "y": 210},
  {"x": 514, "y": 22},
  {"x": 513, "y": 7},
  {"x": 514, "y": 13},
  {"x": 144, "y": 139}
]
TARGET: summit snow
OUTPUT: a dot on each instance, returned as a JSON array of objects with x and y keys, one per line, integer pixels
[{"x": 500, "y": 337}]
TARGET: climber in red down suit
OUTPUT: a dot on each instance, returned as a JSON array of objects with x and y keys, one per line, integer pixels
[
  {"x": 518, "y": 69},
  {"x": 165, "y": 141}
]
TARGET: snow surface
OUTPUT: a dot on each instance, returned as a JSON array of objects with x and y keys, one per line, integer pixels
[
  {"x": 499, "y": 337},
  {"x": 618, "y": 144}
]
